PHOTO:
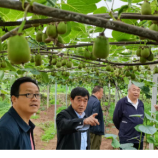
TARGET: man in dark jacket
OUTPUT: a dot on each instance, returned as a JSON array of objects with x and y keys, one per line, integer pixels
[
  {"x": 94, "y": 106},
  {"x": 16, "y": 129},
  {"x": 125, "y": 107},
  {"x": 72, "y": 123}
]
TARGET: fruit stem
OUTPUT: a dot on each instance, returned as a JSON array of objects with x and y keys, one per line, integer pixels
[{"x": 23, "y": 23}]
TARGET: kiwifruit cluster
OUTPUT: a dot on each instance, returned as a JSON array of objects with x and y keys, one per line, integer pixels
[
  {"x": 129, "y": 72},
  {"x": 145, "y": 54},
  {"x": 89, "y": 55},
  {"x": 52, "y": 33}
]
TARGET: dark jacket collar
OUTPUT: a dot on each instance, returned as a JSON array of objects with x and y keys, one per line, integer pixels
[
  {"x": 22, "y": 124},
  {"x": 94, "y": 96},
  {"x": 72, "y": 111},
  {"x": 126, "y": 101}
]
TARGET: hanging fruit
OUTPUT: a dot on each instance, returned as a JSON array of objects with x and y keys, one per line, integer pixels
[
  {"x": 51, "y": 30},
  {"x": 146, "y": 8},
  {"x": 62, "y": 27},
  {"x": 101, "y": 47},
  {"x": 18, "y": 50},
  {"x": 38, "y": 60},
  {"x": 39, "y": 36}
]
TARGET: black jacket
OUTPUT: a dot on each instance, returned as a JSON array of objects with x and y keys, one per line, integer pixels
[
  {"x": 14, "y": 132},
  {"x": 67, "y": 136},
  {"x": 94, "y": 106},
  {"x": 126, "y": 124}
]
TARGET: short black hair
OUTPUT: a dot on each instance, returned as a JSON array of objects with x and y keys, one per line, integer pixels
[
  {"x": 96, "y": 89},
  {"x": 16, "y": 85},
  {"x": 79, "y": 91}
]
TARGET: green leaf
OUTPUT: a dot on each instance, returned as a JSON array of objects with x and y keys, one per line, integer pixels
[
  {"x": 123, "y": 9},
  {"x": 10, "y": 66},
  {"x": 115, "y": 143},
  {"x": 126, "y": 145},
  {"x": 150, "y": 118},
  {"x": 151, "y": 139},
  {"x": 138, "y": 84},
  {"x": 126, "y": 80},
  {"x": 44, "y": 77},
  {"x": 1, "y": 74},
  {"x": 147, "y": 129},
  {"x": 110, "y": 136},
  {"x": 100, "y": 10}
]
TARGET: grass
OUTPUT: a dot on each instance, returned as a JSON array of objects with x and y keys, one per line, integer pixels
[{"x": 49, "y": 130}]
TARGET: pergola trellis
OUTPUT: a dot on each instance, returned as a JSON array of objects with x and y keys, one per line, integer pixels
[{"x": 100, "y": 20}]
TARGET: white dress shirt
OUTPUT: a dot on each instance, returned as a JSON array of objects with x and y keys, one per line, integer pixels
[
  {"x": 83, "y": 134},
  {"x": 135, "y": 105}
]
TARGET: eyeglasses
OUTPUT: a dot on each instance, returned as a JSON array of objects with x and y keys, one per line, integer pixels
[{"x": 31, "y": 95}]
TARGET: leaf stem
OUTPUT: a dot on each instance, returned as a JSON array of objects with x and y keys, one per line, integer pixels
[{"x": 140, "y": 140}]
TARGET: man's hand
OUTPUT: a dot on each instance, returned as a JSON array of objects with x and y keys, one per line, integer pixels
[
  {"x": 91, "y": 120},
  {"x": 156, "y": 107}
]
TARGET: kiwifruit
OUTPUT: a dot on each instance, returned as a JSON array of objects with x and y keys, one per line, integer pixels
[
  {"x": 69, "y": 64},
  {"x": 54, "y": 61},
  {"x": 150, "y": 57},
  {"x": 38, "y": 60},
  {"x": 101, "y": 47},
  {"x": 62, "y": 27},
  {"x": 130, "y": 67},
  {"x": 63, "y": 62},
  {"x": 51, "y": 30},
  {"x": 155, "y": 14},
  {"x": 154, "y": 27},
  {"x": 146, "y": 8},
  {"x": 3, "y": 64},
  {"x": 128, "y": 74},
  {"x": 80, "y": 66},
  {"x": 108, "y": 68},
  {"x": 45, "y": 38},
  {"x": 87, "y": 54},
  {"x": 142, "y": 60},
  {"x": 58, "y": 64},
  {"x": 145, "y": 52},
  {"x": 39, "y": 36},
  {"x": 32, "y": 59},
  {"x": 155, "y": 70},
  {"x": 35, "y": 16},
  {"x": 138, "y": 52},
  {"x": 93, "y": 57},
  {"x": 133, "y": 76},
  {"x": 18, "y": 50}
]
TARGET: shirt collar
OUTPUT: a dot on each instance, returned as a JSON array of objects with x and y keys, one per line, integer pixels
[
  {"x": 131, "y": 101},
  {"x": 80, "y": 116},
  {"x": 23, "y": 125}
]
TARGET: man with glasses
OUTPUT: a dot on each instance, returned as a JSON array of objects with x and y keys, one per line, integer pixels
[
  {"x": 125, "y": 107},
  {"x": 16, "y": 129}
]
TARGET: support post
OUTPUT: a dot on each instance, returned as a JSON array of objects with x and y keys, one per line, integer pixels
[
  {"x": 48, "y": 96},
  {"x": 55, "y": 104},
  {"x": 153, "y": 101},
  {"x": 116, "y": 94},
  {"x": 66, "y": 94}
]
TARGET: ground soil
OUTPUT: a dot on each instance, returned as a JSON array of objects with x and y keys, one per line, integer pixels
[{"x": 48, "y": 115}]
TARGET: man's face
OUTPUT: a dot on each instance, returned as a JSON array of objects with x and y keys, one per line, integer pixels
[
  {"x": 79, "y": 104},
  {"x": 100, "y": 93},
  {"x": 24, "y": 105},
  {"x": 134, "y": 92}
]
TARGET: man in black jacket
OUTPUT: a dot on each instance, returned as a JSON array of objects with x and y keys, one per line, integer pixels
[
  {"x": 125, "y": 107},
  {"x": 72, "y": 123},
  {"x": 94, "y": 106},
  {"x": 16, "y": 129}
]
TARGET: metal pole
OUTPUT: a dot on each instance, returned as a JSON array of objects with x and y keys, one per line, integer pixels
[
  {"x": 116, "y": 94},
  {"x": 55, "y": 104},
  {"x": 48, "y": 96},
  {"x": 66, "y": 95},
  {"x": 153, "y": 101}
]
